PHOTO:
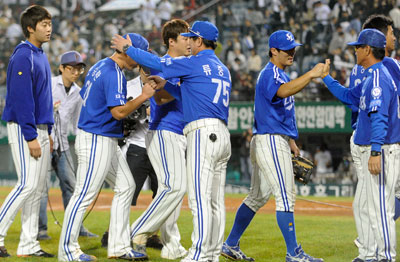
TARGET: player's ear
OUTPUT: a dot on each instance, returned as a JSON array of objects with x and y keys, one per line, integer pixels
[{"x": 61, "y": 68}]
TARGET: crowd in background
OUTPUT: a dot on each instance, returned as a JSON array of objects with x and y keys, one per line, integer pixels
[{"x": 322, "y": 26}]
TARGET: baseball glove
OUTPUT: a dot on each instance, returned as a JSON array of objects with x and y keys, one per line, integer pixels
[{"x": 302, "y": 169}]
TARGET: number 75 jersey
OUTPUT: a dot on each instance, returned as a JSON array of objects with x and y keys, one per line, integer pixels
[
  {"x": 205, "y": 84},
  {"x": 272, "y": 114}
]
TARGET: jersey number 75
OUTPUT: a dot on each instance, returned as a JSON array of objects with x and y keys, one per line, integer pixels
[{"x": 223, "y": 86}]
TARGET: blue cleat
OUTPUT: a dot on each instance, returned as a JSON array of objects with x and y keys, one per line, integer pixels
[
  {"x": 301, "y": 256},
  {"x": 234, "y": 253},
  {"x": 133, "y": 256},
  {"x": 85, "y": 257}
]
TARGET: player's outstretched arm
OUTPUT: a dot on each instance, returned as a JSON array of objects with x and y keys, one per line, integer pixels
[
  {"x": 120, "y": 112},
  {"x": 296, "y": 85},
  {"x": 172, "y": 89},
  {"x": 141, "y": 57}
]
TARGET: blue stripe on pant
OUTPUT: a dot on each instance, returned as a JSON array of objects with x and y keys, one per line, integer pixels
[
  {"x": 279, "y": 172},
  {"x": 81, "y": 196},
  {"x": 197, "y": 184},
  {"x": 156, "y": 201},
  {"x": 23, "y": 175},
  {"x": 382, "y": 201}
]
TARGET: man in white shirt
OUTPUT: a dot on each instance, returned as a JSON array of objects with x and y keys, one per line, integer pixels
[{"x": 67, "y": 106}]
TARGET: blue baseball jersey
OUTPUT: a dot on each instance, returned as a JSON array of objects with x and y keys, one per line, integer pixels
[
  {"x": 205, "y": 85},
  {"x": 378, "y": 93},
  {"x": 358, "y": 75},
  {"x": 105, "y": 87},
  {"x": 168, "y": 116},
  {"x": 272, "y": 114},
  {"x": 29, "y": 100}
]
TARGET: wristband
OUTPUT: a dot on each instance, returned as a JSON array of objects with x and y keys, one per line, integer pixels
[{"x": 376, "y": 153}]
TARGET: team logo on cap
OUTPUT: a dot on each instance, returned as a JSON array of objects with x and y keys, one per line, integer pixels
[{"x": 289, "y": 37}]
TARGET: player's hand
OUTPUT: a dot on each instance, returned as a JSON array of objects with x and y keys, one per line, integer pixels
[
  {"x": 326, "y": 69},
  {"x": 293, "y": 147},
  {"x": 374, "y": 165},
  {"x": 34, "y": 148},
  {"x": 118, "y": 42},
  {"x": 317, "y": 70},
  {"x": 148, "y": 89},
  {"x": 159, "y": 81},
  {"x": 51, "y": 143}
]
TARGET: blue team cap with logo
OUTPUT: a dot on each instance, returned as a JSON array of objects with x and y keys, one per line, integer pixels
[
  {"x": 203, "y": 29},
  {"x": 371, "y": 37},
  {"x": 138, "y": 41},
  {"x": 72, "y": 58},
  {"x": 283, "y": 40}
]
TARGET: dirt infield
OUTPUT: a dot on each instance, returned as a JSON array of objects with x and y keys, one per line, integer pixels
[{"x": 303, "y": 206}]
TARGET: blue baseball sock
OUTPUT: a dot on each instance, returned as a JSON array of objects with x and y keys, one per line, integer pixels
[
  {"x": 244, "y": 215},
  {"x": 286, "y": 224},
  {"x": 396, "y": 208}
]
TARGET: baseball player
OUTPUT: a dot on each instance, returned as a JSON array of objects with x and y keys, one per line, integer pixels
[
  {"x": 67, "y": 104},
  {"x": 377, "y": 133},
  {"x": 166, "y": 147},
  {"x": 205, "y": 89},
  {"x": 100, "y": 157},
  {"x": 29, "y": 115},
  {"x": 366, "y": 242},
  {"x": 270, "y": 149}
]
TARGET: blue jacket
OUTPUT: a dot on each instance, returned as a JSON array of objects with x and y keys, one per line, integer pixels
[{"x": 29, "y": 101}]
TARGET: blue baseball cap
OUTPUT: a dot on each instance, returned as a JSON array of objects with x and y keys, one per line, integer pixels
[
  {"x": 204, "y": 30},
  {"x": 72, "y": 58},
  {"x": 138, "y": 41},
  {"x": 371, "y": 37},
  {"x": 283, "y": 40}
]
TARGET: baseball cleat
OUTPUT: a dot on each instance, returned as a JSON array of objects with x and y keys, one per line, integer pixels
[
  {"x": 85, "y": 257},
  {"x": 234, "y": 253},
  {"x": 39, "y": 253},
  {"x": 301, "y": 256},
  {"x": 42, "y": 235},
  {"x": 104, "y": 239},
  {"x": 3, "y": 252},
  {"x": 357, "y": 259},
  {"x": 132, "y": 256}
]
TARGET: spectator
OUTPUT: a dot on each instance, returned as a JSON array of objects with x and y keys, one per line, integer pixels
[
  {"x": 245, "y": 161},
  {"x": 254, "y": 63},
  {"x": 323, "y": 163},
  {"x": 166, "y": 9}
]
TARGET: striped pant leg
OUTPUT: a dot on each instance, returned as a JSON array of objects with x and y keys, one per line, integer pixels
[
  {"x": 260, "y": 191},
  {"x": 29, "y": 172},
  {"x": 367, "y": 250},
  {"x": 30, "y": 210},
  {"x": 95, "y": 154},
  {"x": 166, "y": 151},
  {"x": 218, "y": 201},
  {"x": 202, "y": 157},
  {"x": 274, "y": 159},
  {"x": 121, "y": 180},
  {"x": 381, "y": 194}
]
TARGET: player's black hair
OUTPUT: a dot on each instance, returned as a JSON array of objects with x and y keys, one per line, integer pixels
[
  {"x": 379, "y": 22},
  {"x": 172, "y": 29},
  {"x": 378, "y": 53},
  {"x": 31, "y": 16},
  {"x": 207, "y": 43}
]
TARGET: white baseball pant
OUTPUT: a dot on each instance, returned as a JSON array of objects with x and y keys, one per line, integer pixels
[
  {"x": 27, "y": 192},
  {"x": 99, "y": 158},
  {"x": 381, "y": 197},
  {"x": 272, "y": 158},
  {"x": 367, "y": 249},
  {"x": 166, "y": 151},
  {"x": 208, "y": 152}
]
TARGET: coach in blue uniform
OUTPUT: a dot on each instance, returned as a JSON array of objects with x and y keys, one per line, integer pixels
[
  {"x": 99, "y": 156},
  {"x": 377, "y": 133},
  {"x": 29, "y": 116},
  {"x": 205, "y": 90},
  {"x": 270, "y": 149}
]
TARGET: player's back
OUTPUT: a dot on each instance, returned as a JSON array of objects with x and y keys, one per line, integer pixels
[
  {"x": 105, "y": 86},
  {"x": 205, "y": 85}
]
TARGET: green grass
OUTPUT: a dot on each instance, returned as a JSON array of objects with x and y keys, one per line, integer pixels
[{"x": 321, "y": 236}]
